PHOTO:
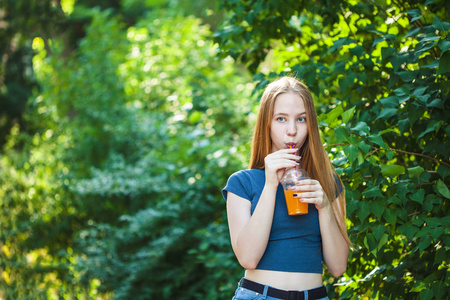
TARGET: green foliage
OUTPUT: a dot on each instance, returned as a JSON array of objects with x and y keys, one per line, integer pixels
[
  {"x": 180, "y": 103},
  {"x": 111, "y": 184},
  {"x": 136, "y": 135},
  {"x": 383, "y": 68}
]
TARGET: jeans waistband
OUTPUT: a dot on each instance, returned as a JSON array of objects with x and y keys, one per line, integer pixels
[{"x": 316, "y": 293}]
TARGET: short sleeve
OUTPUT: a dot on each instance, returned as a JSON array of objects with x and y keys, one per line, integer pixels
[
  {"x": 338, "y": 185},
  {"x": 239, "y": 183}
]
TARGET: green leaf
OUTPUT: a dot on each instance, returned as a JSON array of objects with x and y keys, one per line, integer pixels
[
  {"x": 363, "y": 211},
  {"x": 424, "y": 243},
  {"x": 358, "y": 50},
  {"x": 370, "y": 243},
  {"x": 436, "y": 103},
  {"x": 378, "y": 231},
  {"x": 402, "y": 91},
  {"x": 346, "y": 82},
  {"x": 378, "y": 40},
  {"x": 435, "y": 222},
  {"x": 333, "y": 114},
  {"x": 439, "y": 257},
  {"x": 416, "y": 18},
  {"x": 433, "y": 125},
  {"x": 392, "y": 170},
  {"x": 415, "y": 172},
  {"x": 444, "y": 45},
  {"x": 439, "y": 289},
  {"x": 341, "y": 134},
  {"x": 387, "y": 113},
  {"x": 408, "y": 76},
  {"x": 360, "y": 157},
  {"x": 418, "y": 286},
  {"x": 377, "y": 139},
  {"x": 389, "y": 154},
  {"x": 364, "y": 147},
  {"x": 414, "y": 12},
  {"x": 378, "y": 208},
  {"x": 419, "y": 91},
  {"x": 424, "y": 45},
  {"x": 418, "y": 196},
  {"x": 415, "y": 111},
  {"x": 444, "y": 63},
  {"x": 396, "y": 61},
  {"x": 390, "y": 215},
  {"x": 372, "y": 192},
  {"x": 348, "y": 114},
  {"x": 440, "y": 25},
  {"x": 436, "y": 232},
  {"x": 390, "y": 102},
  {"x": 351, "y": 152},
  {"x": 383, "y": 240},
  {"x": 339, "y": 43},
  {"x": 362, "y": 128},
  {"x": 432, "y": 65},
  {"x": 442, "y": 189},
  {"x": 408, "y": 230},
  {"x": 413, "y": 31},
  {"x": 430, "y": 38},
  {"x": 443, "y": 171},
  {"x": 387, "y": 52}
]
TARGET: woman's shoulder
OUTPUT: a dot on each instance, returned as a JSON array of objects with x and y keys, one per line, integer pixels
[
  {"x": 249, "y": 173},
  {"x": 245, "y": 182},
  {"x": 248, "y": 177}
]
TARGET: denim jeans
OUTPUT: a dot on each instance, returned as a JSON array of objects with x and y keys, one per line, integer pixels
[{"x": 246, "y": 294}]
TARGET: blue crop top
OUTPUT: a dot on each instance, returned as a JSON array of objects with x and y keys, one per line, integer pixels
[{"x": 294, "y": 242}]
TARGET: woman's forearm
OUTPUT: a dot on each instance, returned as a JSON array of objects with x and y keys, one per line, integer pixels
[
  {"x": 335, "y": 247},
  {"x": 252, "y": 240}
]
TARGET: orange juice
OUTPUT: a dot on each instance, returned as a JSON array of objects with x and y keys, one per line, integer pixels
[{"x": 294, "y": 205}]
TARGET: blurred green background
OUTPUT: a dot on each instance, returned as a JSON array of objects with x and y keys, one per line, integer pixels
[{"x": 121, "y": 120}]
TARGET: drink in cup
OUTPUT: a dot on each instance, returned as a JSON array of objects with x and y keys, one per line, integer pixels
[{"x": 291, "y": 178}]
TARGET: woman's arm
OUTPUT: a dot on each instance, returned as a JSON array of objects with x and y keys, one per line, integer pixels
[
  {"x": 250, "y": 232},
  {"x": 334, "y": 246}
]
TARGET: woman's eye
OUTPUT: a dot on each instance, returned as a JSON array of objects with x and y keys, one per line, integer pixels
[
  {"x": 281, "y": 119},
  {"x": 302, "y": 119}
]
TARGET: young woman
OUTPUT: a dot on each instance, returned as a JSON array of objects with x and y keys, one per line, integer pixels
[{"x": 282, "y": 254}]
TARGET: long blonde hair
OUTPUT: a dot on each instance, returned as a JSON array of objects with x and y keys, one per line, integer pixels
[{"x": 314, "y": 157}]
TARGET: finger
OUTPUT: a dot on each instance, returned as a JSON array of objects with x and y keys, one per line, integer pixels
[
  {"x": 282, "y": 164},
  {"x": 307, "y": 188},
  {"x": 305, "y": 195},
  {"x": 309, "y": 200},
  {"x": 285, "y": 151},
  {"x": 288, "y": 150},
  {"x": 284, "y": 156},
  {"x": 311, "y": 182}
]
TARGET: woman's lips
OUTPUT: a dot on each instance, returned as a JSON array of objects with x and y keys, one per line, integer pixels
[{"x": 290, "y": 145}]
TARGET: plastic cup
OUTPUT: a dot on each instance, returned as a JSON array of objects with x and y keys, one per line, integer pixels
[
  {"x": 290, "y": 180},
  {"x": 294, "y": 205}
]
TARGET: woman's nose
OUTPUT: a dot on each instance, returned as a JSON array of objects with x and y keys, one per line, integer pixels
[{"x": 291, "y": 129}]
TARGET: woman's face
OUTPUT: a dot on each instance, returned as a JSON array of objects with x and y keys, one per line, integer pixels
[{"x": 288, "y": 125}]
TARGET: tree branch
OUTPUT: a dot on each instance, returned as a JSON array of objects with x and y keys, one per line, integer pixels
[{"x": 400, "y": 151}]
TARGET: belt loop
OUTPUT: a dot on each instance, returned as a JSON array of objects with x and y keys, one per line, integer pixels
[
  {"x": 305, "y": 293},
  {"x": 266, "y": 288},
  {"x": 240, "y": 281},
  {"x": 293, "y": 295}
]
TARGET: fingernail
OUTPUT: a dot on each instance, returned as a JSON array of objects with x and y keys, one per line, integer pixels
[{"x": 295, "y": 195}]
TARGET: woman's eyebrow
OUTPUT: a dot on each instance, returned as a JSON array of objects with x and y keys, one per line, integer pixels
[{"x": 286, "y": 114}]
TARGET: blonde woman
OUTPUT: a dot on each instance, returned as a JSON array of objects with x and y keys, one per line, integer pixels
[{"x": 283, "y": 254}]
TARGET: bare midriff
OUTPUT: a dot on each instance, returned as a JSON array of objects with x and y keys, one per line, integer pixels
[{"x": 285, "y": 280}]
